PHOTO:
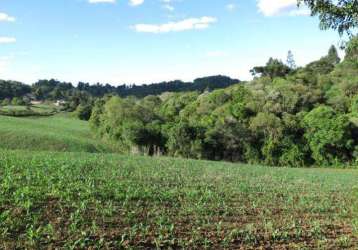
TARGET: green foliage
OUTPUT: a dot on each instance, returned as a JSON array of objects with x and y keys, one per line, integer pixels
[
  {"x": 11, "y": 89},
  {"x": 333, "y": 55},
  {"x": 273, "y": 68},
  {"x": 352, "y": 50},
  {"x": 134, "y": 124},
  {"x": 338, "y": 15},
  {"x": 328, "y": 135},
  {"x": 17, "y": 101},
  {"x": 27, "y": 110},
  {"x": 83, "y": 112},
  {"x": 283, "y": 118},
  {"x": 6, "y": 102}
]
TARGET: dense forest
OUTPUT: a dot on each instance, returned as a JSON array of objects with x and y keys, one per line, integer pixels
[{"x": 285, "y": 116}]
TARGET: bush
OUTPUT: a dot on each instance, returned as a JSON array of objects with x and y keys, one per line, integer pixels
[{"x": 83, "y": 112}]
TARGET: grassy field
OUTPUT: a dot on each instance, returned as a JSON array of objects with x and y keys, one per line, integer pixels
[
  {"x": 79, "y": 200},
  {"x": 56, "y": 133}
]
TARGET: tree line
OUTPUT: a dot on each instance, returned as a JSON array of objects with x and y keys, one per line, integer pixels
[
  {"x": 55, "y": 90},
  {"x": 286, "y": 116}
]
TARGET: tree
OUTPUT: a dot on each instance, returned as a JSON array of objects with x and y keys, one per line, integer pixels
[
  {"x": 287, "y": 117},
  {"x": 340, "y": 15},
  {"x": 290, "y": 60},
  {"x": 273, "y": 68},
  {"x": 84, "y": 111},
  {"x": 328, "y": 136},
  {"x": 352, "y": 49},
  {"x": 132, "y": 124},
  {"x": 270, "y": 128},
  {"x": 326, "y": 64},
  {"x": 185, "y": 140},
  {"x": 333, "y": 55}
]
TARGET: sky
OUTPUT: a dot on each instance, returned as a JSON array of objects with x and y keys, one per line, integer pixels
[{"x": 145, "y": 41}]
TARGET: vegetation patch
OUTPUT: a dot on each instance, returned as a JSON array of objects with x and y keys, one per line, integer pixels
[
  {"x": 28, "y": 110},
  {"x": 285, "y": 116}
]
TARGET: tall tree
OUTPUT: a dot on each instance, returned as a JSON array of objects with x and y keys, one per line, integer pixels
[
  {"x": 291, "y": 60},
  {"x": 340, "y": 15},
  {"x": 333, "y": 55}
]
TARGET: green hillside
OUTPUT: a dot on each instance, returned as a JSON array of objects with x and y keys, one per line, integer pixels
[{"x": 57, "y": 133}]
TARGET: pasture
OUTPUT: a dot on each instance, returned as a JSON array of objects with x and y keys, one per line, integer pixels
[{"x": 54, "y": 133}]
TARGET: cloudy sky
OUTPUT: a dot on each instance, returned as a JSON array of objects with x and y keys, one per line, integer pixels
[{"x": 137, "y": 41}]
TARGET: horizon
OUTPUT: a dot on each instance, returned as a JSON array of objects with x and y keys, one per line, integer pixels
[
  {"x": 150, "y": 41},
  {"x": 121, "y": 84}
]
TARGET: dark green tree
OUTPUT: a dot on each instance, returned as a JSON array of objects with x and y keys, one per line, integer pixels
[
  {"x": 333, "y": 55},
  {"x": 328, "y": 136},
  {"x": 83, "y": 112},
  {"x": 273, "y": 68}
]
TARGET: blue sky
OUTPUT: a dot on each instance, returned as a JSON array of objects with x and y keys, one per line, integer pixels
[{"x": 142, "y": 41}]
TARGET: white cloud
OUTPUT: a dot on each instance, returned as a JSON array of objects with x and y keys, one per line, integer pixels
[
  {"x": 6, "y": 18},
  {"x": 101, "y": 1},
  {"x": 230, "y": 7},
  {"x": 5, "y": 40},
  {"x": 131, "y": 2},
  {"x": 187, "y": 24},
  {"x": 281, "y": 7},
  {"x": 168, "y": 7},
  {"x": 136, "y": 2}
]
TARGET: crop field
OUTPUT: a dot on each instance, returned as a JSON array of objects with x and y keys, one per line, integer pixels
[
  {"x": 62, "y": 189},
  {"x": 68, "y": 200}
]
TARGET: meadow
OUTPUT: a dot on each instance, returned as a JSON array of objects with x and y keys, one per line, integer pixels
[
  {"x": 58, "y": 199},
  {"x": 54, "y": 133}
]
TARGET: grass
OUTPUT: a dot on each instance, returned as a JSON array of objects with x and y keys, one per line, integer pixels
[
  {"x": 56, "y": 133},
  {"x": 81, "y": 200}
]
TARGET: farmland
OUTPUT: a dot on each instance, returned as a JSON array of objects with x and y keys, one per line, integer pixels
[{"x": 81, "y": 200}]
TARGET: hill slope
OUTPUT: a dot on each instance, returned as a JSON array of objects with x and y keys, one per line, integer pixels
[{"x": 57, "y": 133}]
